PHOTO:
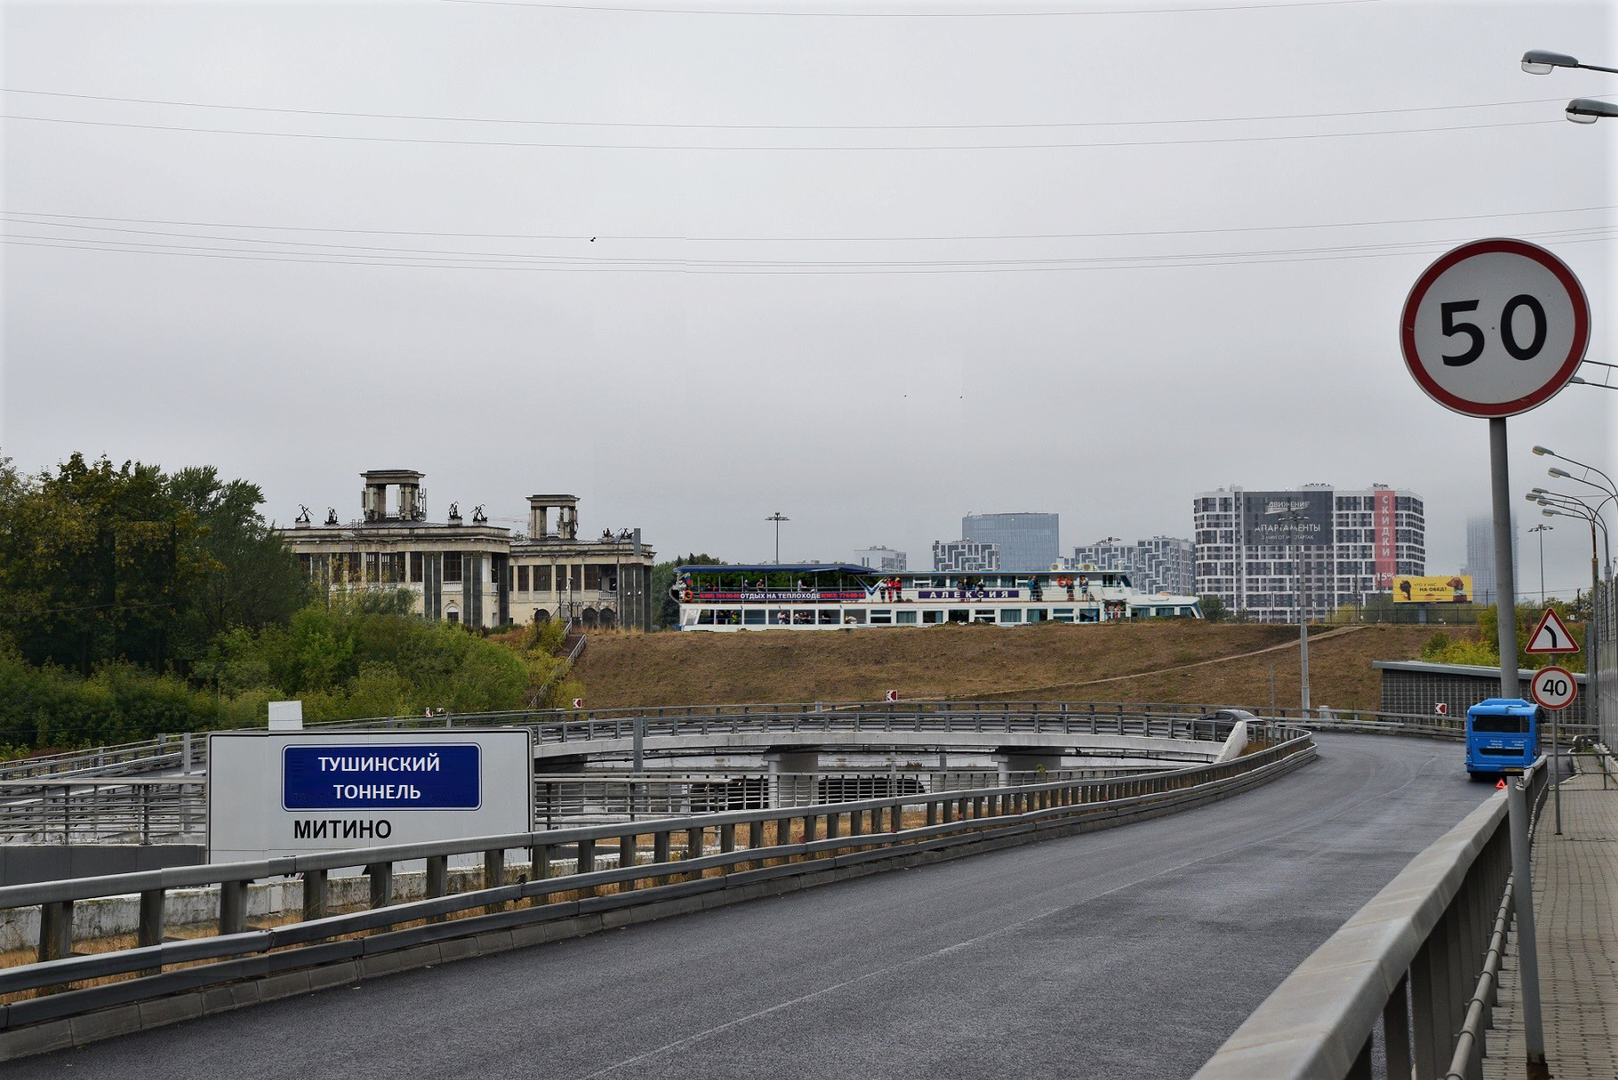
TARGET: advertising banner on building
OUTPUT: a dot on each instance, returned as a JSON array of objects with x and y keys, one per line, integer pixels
[
  {"x": 292, "y": 793},
  {"x": 1287, "y": 517},
  {"x": 1385, "y": 538},
  {"x": 1454, "y": 589}
]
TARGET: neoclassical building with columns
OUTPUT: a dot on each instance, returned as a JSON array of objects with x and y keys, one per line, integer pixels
[{"x": 466, "y": 570}]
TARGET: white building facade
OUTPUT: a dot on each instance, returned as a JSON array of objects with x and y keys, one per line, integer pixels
[
  {"x": 478, "y": 574},
  {"x": 1276, "y": 555}
]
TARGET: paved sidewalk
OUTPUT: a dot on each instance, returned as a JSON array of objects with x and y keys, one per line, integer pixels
[{"x": 1576, "y": 912}]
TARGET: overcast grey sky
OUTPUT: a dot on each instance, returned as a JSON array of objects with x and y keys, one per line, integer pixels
[{"x": 874, "y": 265}]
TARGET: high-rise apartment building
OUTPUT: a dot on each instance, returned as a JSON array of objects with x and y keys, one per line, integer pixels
[
  {"x": 1027, "y": 542},
  {"x": 965, "y": 556},
  {"x": 1480, "y": 557},
  {"x": 1274, "y": 554},
  {"x": 1161, "y": 564}
]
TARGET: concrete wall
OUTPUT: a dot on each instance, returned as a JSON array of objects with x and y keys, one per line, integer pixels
[{"x": 23, "y": 864}]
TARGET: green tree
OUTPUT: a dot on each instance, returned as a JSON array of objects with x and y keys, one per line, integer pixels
[
  {"x": 247, "y": 577},
  {"x": 95, "y": 561},
  {"x": 668, "y": 612},
  {"x": 1213, "y": 608}
]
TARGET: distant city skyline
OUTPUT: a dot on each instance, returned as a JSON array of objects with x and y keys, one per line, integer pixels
[{"x": 873, "y": 272}]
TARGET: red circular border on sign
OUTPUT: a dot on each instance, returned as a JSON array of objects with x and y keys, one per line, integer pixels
[
  {"x": 1581, "y": 328},
  {"x": 1533, "y": 687}
]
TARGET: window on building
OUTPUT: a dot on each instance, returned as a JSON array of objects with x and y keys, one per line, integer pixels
[
  {"x": 592, "y": 577},
  {"x": 416, "y": 562},
  {"x": 452, "y": 567},
  {"x": 542, "y": 579},
  {"x": 522, "y": 579},
  {"x": 905, "y": 618}
]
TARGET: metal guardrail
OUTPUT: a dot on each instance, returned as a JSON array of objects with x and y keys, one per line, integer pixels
[
  {"x": 572, "y": 798},
  {"x": 1415, "y": 970},
  {"x": 151, "y": 754},
  {"x": 172, "y": 810},
  {"x": 686, "y": 856},
  {"x": 148, "y": 755}
]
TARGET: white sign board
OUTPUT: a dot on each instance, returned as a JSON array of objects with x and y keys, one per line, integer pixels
[
  {"x": 1554, "y": 688},
  {"x": 292, "y": 793},
  {"x": 1495, "y": 328},
  {"x": 286, "y": 716}
]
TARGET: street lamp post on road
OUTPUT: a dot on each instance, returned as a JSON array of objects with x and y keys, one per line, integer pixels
[
  {"x": 1579, "y": 110},
  {"x": 778, "y": 517},
  {"x": 1542, "y": 529}
]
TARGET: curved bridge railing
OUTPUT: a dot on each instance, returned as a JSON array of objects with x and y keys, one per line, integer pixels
[
  {"x": 187, "y": 752},
  {"x": 663, "y": 867},
  {"x": 1414, "y": 972}
]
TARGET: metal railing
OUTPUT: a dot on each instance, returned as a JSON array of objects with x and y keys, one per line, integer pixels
[
  {"x": 1414, "y": 972},
  {"x": 658, "y": 860},
  {"x": 574, "y": 798},
  {"x": 125, "y": 810},
  {"x": 94, "y": 808},
  {"x": 165, "y": 750},
  {"x": 147, "y": 755}
]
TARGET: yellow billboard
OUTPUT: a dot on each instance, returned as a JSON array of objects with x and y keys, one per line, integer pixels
[{"x": 1455, "y": 589}]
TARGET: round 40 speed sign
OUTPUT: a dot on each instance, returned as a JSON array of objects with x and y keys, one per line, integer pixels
[
  {"x": 1495, "y": 328},
  {"x": 1554, "y": 687}
]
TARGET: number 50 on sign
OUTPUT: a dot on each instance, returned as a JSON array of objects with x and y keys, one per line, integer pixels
[{"x": 1495, "y": 328}]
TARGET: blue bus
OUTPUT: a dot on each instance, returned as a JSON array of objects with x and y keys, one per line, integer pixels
[{"x": 1502, "y": 736}]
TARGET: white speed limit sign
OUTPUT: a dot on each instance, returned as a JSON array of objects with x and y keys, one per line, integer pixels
[
  {"x": 1495, "y": 328},
  {"x": 1554, "y": 687}
]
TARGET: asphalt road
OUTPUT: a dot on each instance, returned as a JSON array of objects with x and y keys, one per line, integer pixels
[{"x": 1132, "y": 952}]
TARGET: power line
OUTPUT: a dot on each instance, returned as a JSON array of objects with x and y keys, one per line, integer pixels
[
  {"x": 624, "y": 9},
  {"x": 440, "y": 255},
  {"x": 764, "y": 269},
  {"x": 166, "y": 102},
  {"x": 421, "y": 141},
  {"x": 605, "y": 259},
  {"x": 22, "y": 214}
]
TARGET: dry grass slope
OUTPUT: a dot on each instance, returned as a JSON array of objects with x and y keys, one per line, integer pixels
[{"x": 1189, "y": 662}]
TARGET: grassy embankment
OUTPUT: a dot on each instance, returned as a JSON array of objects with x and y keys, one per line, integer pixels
[{"x": 1186, "y": 662}]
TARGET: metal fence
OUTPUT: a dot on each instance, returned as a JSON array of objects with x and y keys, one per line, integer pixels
[
  {"x": 1411, "y": 979},
  {"x": 125, "y": 810},
  {"x": 188, "y": 751},
  {"x": 657, "y": 861},
  {"x": 574, "y": 798}
]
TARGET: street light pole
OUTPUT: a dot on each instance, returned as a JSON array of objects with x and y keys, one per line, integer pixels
[
  {"x": 1542, "y": 529},
  {"x": 778, "y": 517},
  {"x": 1579, "y": 110}
]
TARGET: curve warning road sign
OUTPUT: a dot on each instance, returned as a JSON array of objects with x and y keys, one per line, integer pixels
[
  {"x": 1551, "y": 636},
  {"x": 1495, "y": 328}
]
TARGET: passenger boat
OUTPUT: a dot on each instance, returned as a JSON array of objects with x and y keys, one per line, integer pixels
[{"x": 803, "y": 596}]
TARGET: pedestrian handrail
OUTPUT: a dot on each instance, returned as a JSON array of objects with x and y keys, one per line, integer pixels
[
  {"x": 752, "y": 846},
  {"x": 1421, "y": 959}
]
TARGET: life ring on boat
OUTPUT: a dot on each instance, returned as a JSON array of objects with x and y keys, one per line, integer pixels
[
  {"x": 1063, "y": 582},
  {"x": 688, "y": 596}
]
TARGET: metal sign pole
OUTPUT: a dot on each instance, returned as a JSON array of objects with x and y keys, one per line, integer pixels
[{"x": 1516, "y": 803}]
